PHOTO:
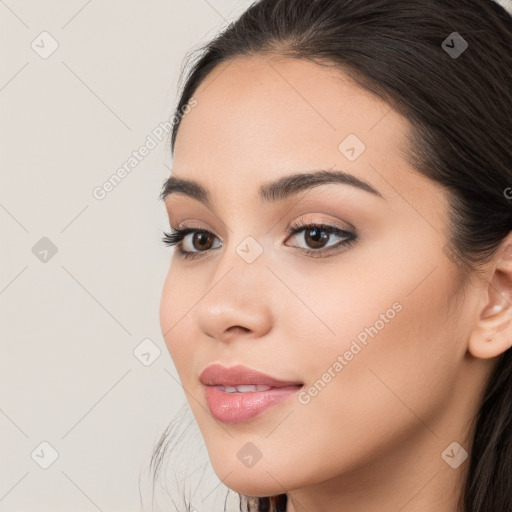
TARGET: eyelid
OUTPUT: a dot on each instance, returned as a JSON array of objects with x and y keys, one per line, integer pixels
[
  {"x": 189, "y": 225},
  {"x": 348, "y": 236},
  {"x": 331, "y": 224}
]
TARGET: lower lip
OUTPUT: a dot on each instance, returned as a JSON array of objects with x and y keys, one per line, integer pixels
[{"x": 239, "y": 407}]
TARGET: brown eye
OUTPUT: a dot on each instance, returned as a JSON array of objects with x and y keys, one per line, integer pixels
[
  {"x": 202, "y": 241},
  {"x": 316, "y": 237}
]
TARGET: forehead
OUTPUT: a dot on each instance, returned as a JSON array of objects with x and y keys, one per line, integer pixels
[{"x": 258, "y": 118}]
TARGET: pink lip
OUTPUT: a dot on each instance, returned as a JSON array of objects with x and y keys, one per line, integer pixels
[
  {"x": 239, "y": 407},
  {"x": 218, "y": 375}
]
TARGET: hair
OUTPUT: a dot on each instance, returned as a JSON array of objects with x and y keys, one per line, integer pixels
[{"x": 460, "y": 114}]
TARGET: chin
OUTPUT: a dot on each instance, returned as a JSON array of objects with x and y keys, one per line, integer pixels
[
  {"x": 256, "y": 481},
  {"x": 252, "y": 487}
]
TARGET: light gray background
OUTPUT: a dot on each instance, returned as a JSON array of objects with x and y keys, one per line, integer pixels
[{"x": 69, "y": 326}]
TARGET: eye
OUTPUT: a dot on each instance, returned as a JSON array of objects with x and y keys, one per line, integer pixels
[
  {"x": 317, "y": 236},
  {"x": 200, "y": 241},
  {"x": 193, "y": 242}
]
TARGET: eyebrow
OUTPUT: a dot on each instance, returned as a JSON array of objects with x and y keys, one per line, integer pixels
[{"x": 277, "y": 190}]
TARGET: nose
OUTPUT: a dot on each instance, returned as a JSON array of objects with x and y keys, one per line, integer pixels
[{"x": 237, "y": 303}]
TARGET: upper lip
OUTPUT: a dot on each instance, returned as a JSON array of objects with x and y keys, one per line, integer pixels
[{"x": 218, "y": 375}]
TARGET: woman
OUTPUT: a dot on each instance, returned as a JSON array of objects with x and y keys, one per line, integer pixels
[{"x": 338, "y": 306}]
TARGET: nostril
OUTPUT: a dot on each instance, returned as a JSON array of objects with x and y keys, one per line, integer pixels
[{"x": 236, "y": 328}]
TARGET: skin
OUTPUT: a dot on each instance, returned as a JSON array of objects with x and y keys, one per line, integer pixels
[{"x": 372, "y": 439}]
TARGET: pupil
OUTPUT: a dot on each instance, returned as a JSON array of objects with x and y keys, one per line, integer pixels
[
  {"x": 202, "y": 237},
  {"x": 317, "y": 236}
]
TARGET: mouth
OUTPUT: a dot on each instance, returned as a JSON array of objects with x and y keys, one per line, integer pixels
[
  {"x": 242, "y": 406},
  {"x": 239, "y": 394}
]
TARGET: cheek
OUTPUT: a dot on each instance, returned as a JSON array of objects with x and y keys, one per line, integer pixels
[
  {"x": 167, "y": 307},
  {"x": 391, "y": 366},
  {"x": 387, "y": 372},
  {"x": 176, "y": 313}
]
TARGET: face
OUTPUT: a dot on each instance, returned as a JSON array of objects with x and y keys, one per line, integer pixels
[{"x": 357, "y": 307}]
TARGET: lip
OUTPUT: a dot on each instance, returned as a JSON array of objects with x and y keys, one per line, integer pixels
[
  {"x": 218, "y": 375},
  {"x": 238, "y": 407}
]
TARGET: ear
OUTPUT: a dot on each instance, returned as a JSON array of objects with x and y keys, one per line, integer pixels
[{"x": 492, "y": 334}]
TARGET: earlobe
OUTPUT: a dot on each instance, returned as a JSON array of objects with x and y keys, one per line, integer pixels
[{"x": 492, "y": 334}]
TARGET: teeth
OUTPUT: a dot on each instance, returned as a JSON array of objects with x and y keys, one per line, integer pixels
[{"x": 244, "y": 388}]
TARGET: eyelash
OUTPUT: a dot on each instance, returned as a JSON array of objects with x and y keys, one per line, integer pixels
[{"x": 176, "y": 236}]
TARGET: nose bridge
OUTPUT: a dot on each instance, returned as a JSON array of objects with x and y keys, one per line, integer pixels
[
  {"x": 238, "y": 294},
  {"x": 245, "y": 249}
]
